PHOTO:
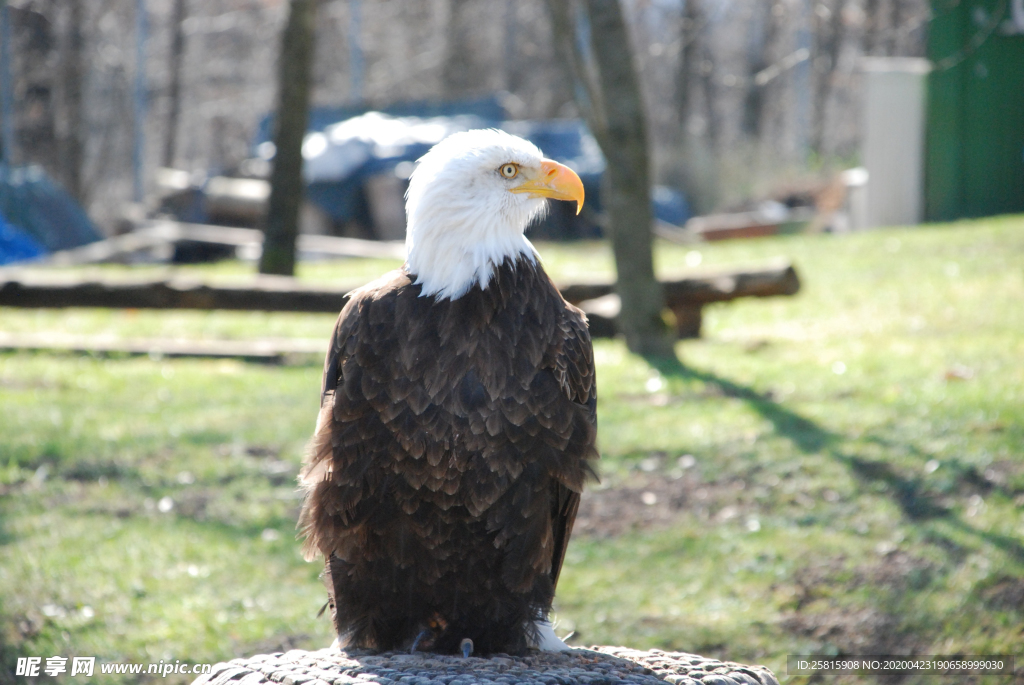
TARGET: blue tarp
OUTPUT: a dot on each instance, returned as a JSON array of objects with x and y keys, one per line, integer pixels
[
  {"x": 40, "y": 210},
  {"x": 16, "y": 245}
]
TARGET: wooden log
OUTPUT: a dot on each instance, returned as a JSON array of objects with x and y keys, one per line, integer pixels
[
  {"x": 779, "y": 279},
  {"x": 166, "y": 234},
  {"x": 267, "y": 350},
  {"x": 602, "y": 318},
  {"x": 684, "y": 297},
  {"x": 262, "y": 294},
  {"x": 743, "y": 225},
  {"x": 713, "y": 286},
  {"x": 689, "y": 318}
]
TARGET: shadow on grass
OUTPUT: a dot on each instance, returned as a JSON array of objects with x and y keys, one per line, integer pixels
[{"x": 910, "y": 494}]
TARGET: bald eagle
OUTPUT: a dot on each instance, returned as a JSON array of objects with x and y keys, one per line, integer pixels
[{"x": 457, "y": 422}]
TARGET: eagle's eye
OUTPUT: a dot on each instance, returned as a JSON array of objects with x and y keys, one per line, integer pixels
[{"x": 509, "y": 170}]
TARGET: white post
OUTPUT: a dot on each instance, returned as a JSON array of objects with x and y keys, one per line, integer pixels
[{"x": 893, "y": 144}]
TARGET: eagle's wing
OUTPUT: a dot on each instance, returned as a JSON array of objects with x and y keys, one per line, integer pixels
[
  {"x": 570, "y": 362},
  {"x": 316, "y": 522},
  {"x": 574, "y": 368}
]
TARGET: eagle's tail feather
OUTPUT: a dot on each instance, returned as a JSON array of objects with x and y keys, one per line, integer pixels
[{"x": 499, "y": 621}]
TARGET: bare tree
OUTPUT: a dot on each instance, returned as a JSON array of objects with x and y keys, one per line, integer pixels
[
  {"x": 456, "y": 71},
  {"x": 174, "y": 89},
  {"x": 895, "y": 26},
  {"x": 696, "y": 67},
  {"x": 688, "y": 69},
  {"x": 761, "y": 49},
  {"x": 694, "y": 101},
  {"x": 872, "y": 26},
  {"x": 829, "y": 34},
  {"x": 708, "y": 86},
  {"x": 615, "y": 113},
  {"x": 70, "y": 115},
  {"x": 286, "y": 184}
]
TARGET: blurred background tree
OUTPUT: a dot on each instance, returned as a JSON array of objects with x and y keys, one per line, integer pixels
[
  {"x": 286, "y": 188},
  {"x": 609, "y": 97},
  {"x": 174, "y": 83}
]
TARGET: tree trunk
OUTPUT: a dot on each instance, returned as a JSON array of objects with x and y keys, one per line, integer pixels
[
  {"x": 710, "y": 88},
  {"x": 696, "y": 66},
  {"x": 72, "y": 76},
  {"x": 694, "y": 169},
  {"x": 688, "y": 68},
  {"x": 895, "y": 21},
  {"x": 286, "y": 184},
  {"x": 764, "y": 36},
  {"x": 457, "y": 78},
  {"x": 872, "y": 22},
  {"x": 174, "y": 89},
  {"x": 829, "y": 38},
  {"x": 616, "y": 115}
]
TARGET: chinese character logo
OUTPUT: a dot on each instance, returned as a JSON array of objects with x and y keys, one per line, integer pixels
[{"x": 83, "y": 665}]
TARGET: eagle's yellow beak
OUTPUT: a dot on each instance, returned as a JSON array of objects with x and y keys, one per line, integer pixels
[{"x": 556, "y": 181}]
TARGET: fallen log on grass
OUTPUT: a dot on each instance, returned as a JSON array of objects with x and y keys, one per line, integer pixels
[
  {"x": 162, "y": 239},
  {"x": 263, "y": 350},
  {"x": 685, "y": 297},
  {"x": 262, "y": 293}
]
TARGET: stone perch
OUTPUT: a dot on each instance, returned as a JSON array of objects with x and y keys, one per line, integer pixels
[{"x": 593, "y": 666}]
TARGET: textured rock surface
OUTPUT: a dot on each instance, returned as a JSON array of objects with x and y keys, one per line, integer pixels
[{"x": 594, "y": 666}]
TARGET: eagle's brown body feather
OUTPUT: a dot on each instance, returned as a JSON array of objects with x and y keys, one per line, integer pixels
[{"x": 452, "y": 446}]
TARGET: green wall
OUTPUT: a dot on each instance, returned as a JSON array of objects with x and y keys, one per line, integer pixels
[{"x": 974, "y": 159}]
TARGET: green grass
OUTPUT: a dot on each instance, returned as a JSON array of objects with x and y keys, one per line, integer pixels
[{"x": 838, "y": 472}]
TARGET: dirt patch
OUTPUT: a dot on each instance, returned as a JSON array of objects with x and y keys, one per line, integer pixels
[
  {"x": 121, "y": 509},
  {"x": 90, "y": 470},
  {"x": 861, "y": 631},
  {"x": 614, "y": 511},
  {"x": 1006, "y": 594},
  {"x": 262, "y": 451},
  {"x": 193, "y": 503},
  {"x": 817, "y": 615},
  {"x": 279, "y": 643},
  {"x": 892, "y": 572},
  {"x": 1006, "y": 475},
  {"x": 657, "y": 499},
  {"x": 652, "y": 502},
  {"x": 852, "y": 632},
  {"x": 897, "y": 571}
]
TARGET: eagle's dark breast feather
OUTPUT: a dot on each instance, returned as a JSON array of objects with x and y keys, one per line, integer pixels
[{"x": 453, "y": 444}]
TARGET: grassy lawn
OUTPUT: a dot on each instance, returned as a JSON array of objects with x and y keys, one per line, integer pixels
[{"x": 840, "y": 472}]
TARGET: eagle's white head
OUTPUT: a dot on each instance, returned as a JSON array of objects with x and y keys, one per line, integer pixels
[{"x": 469, "y": 201}]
